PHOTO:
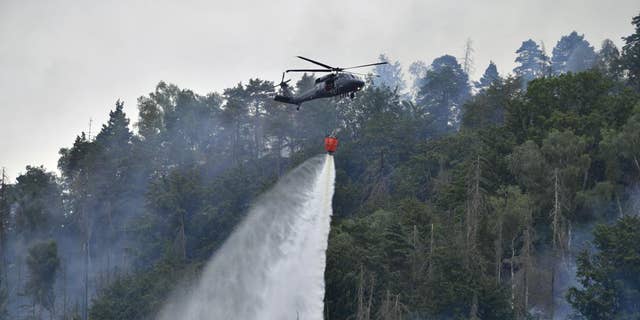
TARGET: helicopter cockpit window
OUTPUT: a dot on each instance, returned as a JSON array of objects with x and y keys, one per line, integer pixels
[{"x": 328, "y": 85}]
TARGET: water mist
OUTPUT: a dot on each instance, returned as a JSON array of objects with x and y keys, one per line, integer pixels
[{"x": 272, "y": 266}]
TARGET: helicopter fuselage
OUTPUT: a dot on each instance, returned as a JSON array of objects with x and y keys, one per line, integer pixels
[{"x": 330, "y": 85}]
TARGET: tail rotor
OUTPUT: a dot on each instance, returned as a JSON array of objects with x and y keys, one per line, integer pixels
[{"x": 283, "y": 84}]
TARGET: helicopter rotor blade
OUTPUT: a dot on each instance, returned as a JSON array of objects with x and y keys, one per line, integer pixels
[
  {"x": 316, "y": 62},
  {"x": 309, "y": 70},
  {"x": 362, "y": 74},
  {"x": 356, "y": 73},
  {"x": 367, "y": 65}
]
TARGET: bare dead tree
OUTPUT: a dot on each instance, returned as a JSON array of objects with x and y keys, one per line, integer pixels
[
  {"x": 467, "y": 61},
  {"x": 363, "y": 311}
]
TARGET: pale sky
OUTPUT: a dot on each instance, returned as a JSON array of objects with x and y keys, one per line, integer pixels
[{"x": 64, "y": 62}]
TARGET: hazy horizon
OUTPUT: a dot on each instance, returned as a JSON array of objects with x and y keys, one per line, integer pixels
[{"x": 65, "y": 62}]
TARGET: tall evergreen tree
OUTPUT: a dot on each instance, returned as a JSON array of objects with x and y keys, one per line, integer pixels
[
  {"x": 572, "y": 53},
  {"x": 530, "y": 61},
  {"x": 631, "y": 54},
  {"x": 115, "y": 133},
  {"x": 489, "y": 77},
  {"x": 608, "y": 59},
  {"x": 445, "y": 89}
]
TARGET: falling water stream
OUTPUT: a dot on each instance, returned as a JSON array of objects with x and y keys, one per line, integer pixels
[{"x": 272, "y": 266}]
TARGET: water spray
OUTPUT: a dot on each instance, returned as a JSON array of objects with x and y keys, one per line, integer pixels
[{"x": 272, "y": 266}]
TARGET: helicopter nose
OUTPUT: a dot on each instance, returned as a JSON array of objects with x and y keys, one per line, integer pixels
[{"x": 359, "y": 84}]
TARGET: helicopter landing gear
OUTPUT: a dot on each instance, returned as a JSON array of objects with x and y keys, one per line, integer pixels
[{"x": 352, "y": 95}]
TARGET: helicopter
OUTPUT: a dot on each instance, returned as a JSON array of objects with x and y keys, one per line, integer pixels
[{"x": 337, "y": 83}]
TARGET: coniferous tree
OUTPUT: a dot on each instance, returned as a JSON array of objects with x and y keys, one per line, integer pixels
[
  {"x": 530, "y": 61},
  {"x": 445, "y": 89},
  {"x": 545, "y": 61},
  {"x": 609, "y": 278},
  {"x": 572, "y": 54},
  {"x": 489, "y": 77},
  {"x": 608, "y": 59},
  {"x": 631, "y": 54}
]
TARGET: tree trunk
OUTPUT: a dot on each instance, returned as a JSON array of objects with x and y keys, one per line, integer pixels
[
  {"x": 553, "y": 289},
  {"x": 473, "y": 312},
  {"x": 431, "y": 243},
  {"x": 527, "y": 259},
  {"x": 110, "y": 238},
  {"x": 85, "y": 298},
  {"x": 183, "y": 237},
  {"x": 473, "y": 208},
  {"x": 556, "y": 214},
  {"x": 64, "y": 291},
  {"x": 498, "y": 251},
  {"x": 619, "y": 206},
  {"x": 360, "y": 296},
  {"x": 513, "y": 276}
]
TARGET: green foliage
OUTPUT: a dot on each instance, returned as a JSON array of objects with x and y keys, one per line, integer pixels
[
  {"x": 488, "y": 107},
  {"x": 608, "y": 60},
  {"x": 584, "y": 103},
  {"x": 139, "y": 295},
  {"x": 489, "y": 77},
  {"x": 445, "y": 89},
  {"x": 530, "y": 61},
  {"x": 610, "y": 277},
  {"x": 39, "y": 203},
  {"x": 572, "y": 54},
  {"x": 631, "y": 54},
  {"x": 42, "y": 263}
]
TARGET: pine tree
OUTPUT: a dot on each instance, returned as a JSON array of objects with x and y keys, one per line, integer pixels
[
  {"x": 115, "y": 133},
  {"x": 631, "y": 54},
  {"x": 445, "y": 89},
  {"x": 489, "y": 77},
  {"x": 608, "y": 59},
  {"x": 572, "y": 54},
  {"x": 530, "y": 60}
]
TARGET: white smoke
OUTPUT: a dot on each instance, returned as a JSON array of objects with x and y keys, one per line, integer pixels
[{"x": 272, "y": 266}]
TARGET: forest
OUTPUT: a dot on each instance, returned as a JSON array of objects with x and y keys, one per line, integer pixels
[{"x": 512, "y": 197}]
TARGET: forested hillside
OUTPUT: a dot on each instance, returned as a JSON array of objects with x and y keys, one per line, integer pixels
[{"x": 510, "y": 197}]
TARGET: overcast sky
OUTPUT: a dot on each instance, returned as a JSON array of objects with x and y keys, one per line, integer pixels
[{"x": 65, "y": 62}]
